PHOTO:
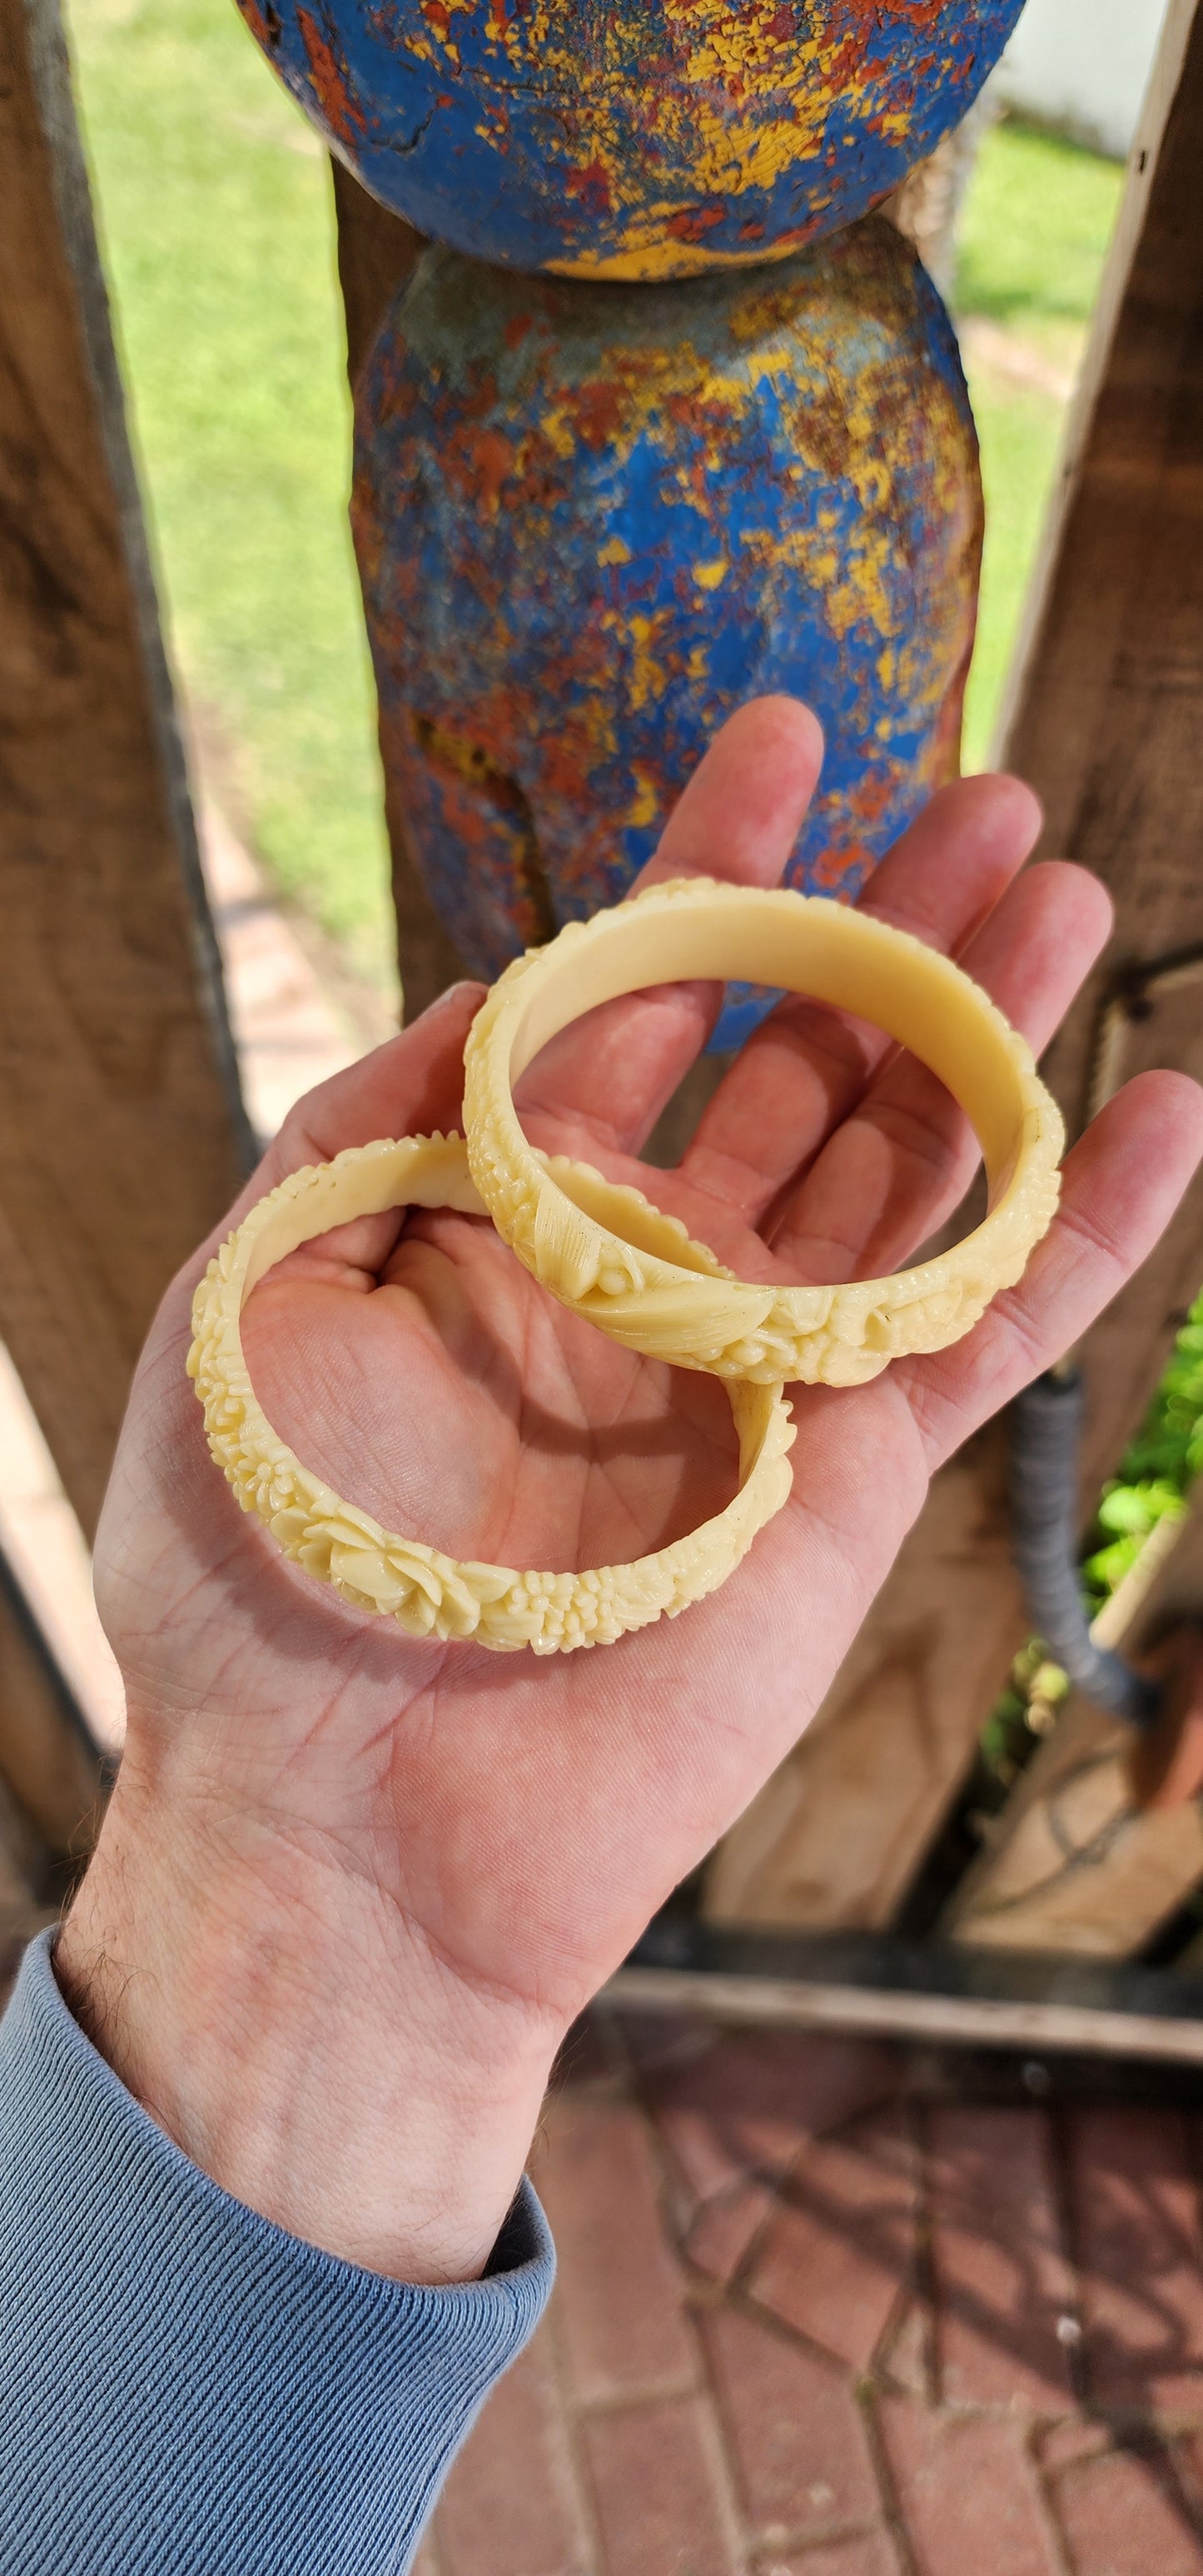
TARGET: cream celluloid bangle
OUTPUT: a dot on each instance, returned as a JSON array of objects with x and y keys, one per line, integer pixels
[
  {"x": 688, "y": 1309},
  {"x": 428, "y": 1594}
]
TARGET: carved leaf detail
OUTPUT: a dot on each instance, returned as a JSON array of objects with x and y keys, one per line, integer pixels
[{"x": 567, "y": 1248}]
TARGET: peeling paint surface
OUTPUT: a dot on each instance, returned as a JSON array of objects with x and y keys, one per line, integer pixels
[
  {"x": 593, "y": 520},
  {"x": 632, "y": 139}
]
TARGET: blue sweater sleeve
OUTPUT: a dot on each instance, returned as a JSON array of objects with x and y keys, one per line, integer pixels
[{"x": 187, "y": 2390}]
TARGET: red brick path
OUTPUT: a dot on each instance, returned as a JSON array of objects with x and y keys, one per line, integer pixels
[{"x": 813, "y": 2319}]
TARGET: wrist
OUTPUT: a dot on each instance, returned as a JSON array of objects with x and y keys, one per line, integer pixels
[{"x": 295, "y": 2036}]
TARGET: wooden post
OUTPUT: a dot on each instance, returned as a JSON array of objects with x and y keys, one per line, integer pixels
[
  {"x": 1107, "y": 699},
  {"x": 376, "y": 256},
  {"x": 376, "y": 253},
  {"x": 47, "y": 1760},
  {"x": 1076, "y": 1862},
  {"x": 23, "y": 1906},
  {"x": 835, "y": 1837},
  {"x": 927, "y": 207},
  {"x": 122, "y": 1134},
  {"x": 1106, "y": 718}
]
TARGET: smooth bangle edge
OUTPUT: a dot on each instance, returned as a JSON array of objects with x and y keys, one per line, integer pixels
[
  {"x": 843, "y": 1335},
  {"x": 429, "y": 1594}
]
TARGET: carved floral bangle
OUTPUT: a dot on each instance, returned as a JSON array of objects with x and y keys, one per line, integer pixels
[
  {"x": 427, "y": 1593},
  {"x": 687, "y": 1308}
]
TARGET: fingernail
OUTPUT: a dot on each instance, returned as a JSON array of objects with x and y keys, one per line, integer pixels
[{"x": 455, "y": 993}]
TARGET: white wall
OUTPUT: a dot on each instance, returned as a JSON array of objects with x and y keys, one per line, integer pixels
[{"x": 1083, "y": 65}]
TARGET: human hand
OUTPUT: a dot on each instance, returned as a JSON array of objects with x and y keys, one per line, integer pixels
[{"x": 353, "y": 1889}]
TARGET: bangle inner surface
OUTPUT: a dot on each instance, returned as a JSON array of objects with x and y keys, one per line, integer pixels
[
  {"x": 674, "y": 1462},
  {"x": 827, "y": 954}
]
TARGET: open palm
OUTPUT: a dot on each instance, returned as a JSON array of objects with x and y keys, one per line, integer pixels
[{"x": 504, "y": 1826}]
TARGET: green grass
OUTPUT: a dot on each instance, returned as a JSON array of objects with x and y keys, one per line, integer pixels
[
  {"x": 1158, "y": 1470},
  {"x": 1019, "y": 430},
  {"x": 217, "y": 231},
  {"x": 1034, "y": 237},
  {"x": 1034, "y": 233}
]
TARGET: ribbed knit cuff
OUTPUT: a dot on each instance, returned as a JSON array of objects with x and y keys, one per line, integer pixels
[{"x": 187, "y": 2390}]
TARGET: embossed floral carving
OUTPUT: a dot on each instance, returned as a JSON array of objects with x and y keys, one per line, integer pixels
[
  {"x": 378, "y": 1572},
  {"x": 687, "y": 1308}
]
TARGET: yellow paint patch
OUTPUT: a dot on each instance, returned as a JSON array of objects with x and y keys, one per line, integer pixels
[
  {"x": 666, "y": 259},
  {"x": 645, "y": 805}
]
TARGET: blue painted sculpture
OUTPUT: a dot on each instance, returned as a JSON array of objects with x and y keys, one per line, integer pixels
[
  {"x": 632, "y": 138},
  {"x": 593, "y": 516},
  {"x": 591, "y": 521}
]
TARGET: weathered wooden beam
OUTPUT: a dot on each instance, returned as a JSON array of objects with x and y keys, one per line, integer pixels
[
  {"x": 53, "y": 1779},
  {"x": 24, "y": 1907},
  {"x": 376, "y": 254},
  {"x": 1107, "y": 712},
  {"x": 1075, "y": 1862},
  {"x": 834, "y": 1838},
  {"x": 46, "y": 1759},
  {"x": 932, "y": 1992},
  {"x": 121, "y": 1129},
  {"x": 1107, "y": 698},
  {"x": 924, "y": 2015},
  {"x": 927, "y": 207}
]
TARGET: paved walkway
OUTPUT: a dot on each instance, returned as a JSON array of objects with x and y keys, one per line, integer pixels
[
  {"x": 815, "y": 2317},
  {"x": 297, "y": 1015}
]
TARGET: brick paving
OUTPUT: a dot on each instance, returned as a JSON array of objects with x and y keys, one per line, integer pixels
[
  {"x": 295, "y": 1021},
  {"x": 818, "y": 2315}
]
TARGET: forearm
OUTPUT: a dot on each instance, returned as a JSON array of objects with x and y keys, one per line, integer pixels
[
  {"x": 284, "y": 2023},
  {"x": 189, "y": 2388}
]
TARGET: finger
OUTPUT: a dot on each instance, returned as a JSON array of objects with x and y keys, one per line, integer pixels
[
  {"x": 1122, "y": 1184},
  {"x": 407, "y": 1087},
  {"x": 738, "y": 816},
  {"x": 807, "y": 1066},
  {"x": 605, "y": 1080},
  {"x": 410, "y": 1086},
  {"x": 902, "y": 1162}
]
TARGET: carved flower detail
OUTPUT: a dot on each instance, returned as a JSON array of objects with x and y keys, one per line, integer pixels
[{"x": 426, "y": 1593}]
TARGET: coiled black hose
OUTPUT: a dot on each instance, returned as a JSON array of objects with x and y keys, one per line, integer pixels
[{"x": 1046, "y": 1427}]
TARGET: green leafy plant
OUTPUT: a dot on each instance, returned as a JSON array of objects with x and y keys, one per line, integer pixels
[{"x": 1158, "y": 1469}]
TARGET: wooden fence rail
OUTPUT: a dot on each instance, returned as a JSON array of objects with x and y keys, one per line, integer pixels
[
  {"x": 121, "y": 1130},
  {"x": 1106, "y": 722}
]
